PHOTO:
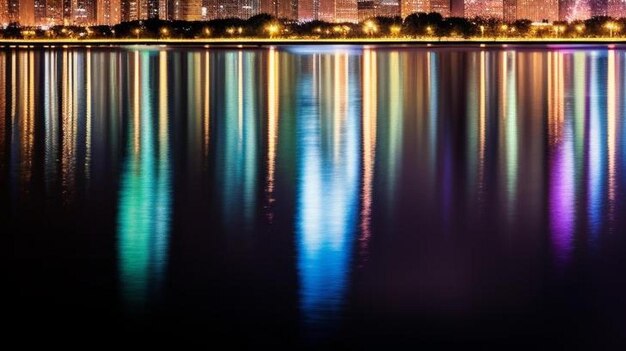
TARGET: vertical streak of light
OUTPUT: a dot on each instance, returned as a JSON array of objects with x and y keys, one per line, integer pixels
[
  {"x": 69, "y": 123},
  {"x": 511, "y": 132},
  {"x": 207, "y": 101},
  {"x": 29, "y": 115},
  {"x": 596, "y": 150},
  {"x": 562, "y": 190},
  {"x": 51, "y": 117},
  {"x": 240, "y": 93},
  {"x": 482, "y": 108},
  {"x": 136, "y": 123},
  {"x": 88, "y": 117},
  {"x": 395, "y": 120},
  {"x": 272, "y": 114},
  {"x": 611, "y": 129},
  {"x": 163, "y": 105},
  {"x": 369, "y": 144},
  {"x": 3, "y": 107},
  {"x": 13, "y": 103},
  {"x": 144, "y": 206}
]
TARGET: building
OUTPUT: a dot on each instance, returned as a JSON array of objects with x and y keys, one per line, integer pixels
[
  {"x": 534, "y": 10},
  {"x": 84, "y": 12},
  {"x": 373, "y": 8},
  {"x": 22, "y": 11},
  {"x": 483, "y": 8},
  {"x": 235, "y": 9},
  {"x": 53, "y": 12},
  {"x": 133, "y": 10},
  {"x": 346, "y": 10},
  {"x": 307, "y": 10},
  {"x": 616, "y": 8},
  {"x": 109, "y": 12},
  {"x": 571, "y": 10},
  {"x": 4, "y": 13},
  {"x": 442, "y": 7},
  {"x": 408, "y": 7},
  {"x": 328, "y": 10}
]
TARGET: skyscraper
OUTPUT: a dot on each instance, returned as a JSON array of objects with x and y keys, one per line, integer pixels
[
  {"x": 484, "y": 8},
  {"x": 237, "y": 8},
  {"x": 408, "y": 7},
  {"x": 4, "y": 12},
  {"x": 288, "y": 9},
  {"x": 108, "y": 12},
  {"x": 54, "y": 12},
  {"x": 570, "y": 10},
  {"x": 346, "y": 10},
  {"x": 307, "y": 10},
  {"x": 509, "y": 12},
  {"x": 328, "y": 10},
  {"x": 22, "y": 11},
  {"x": 84, "y": 12},
  {"x": 616, "y": 8},
  {"x": 442, "y": 7},
  {"x": 133, "y": 10},
  {"x": 534, "y": 10}
]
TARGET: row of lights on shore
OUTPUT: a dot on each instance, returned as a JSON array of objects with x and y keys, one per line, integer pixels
[{"x": 370, "y": 28}]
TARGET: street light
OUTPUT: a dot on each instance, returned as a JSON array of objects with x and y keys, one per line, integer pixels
[
  {"x": 137, "y": 31},
  {"x": 482, "y": 31},
  {"x": 272, "y": 29},
  {"x": 580, "y": 28},
  {"x": 503, "y": 28},
  {"x": 165, "y": 32},
  {"x": 370, "y": 27},
  {"x": 429, "y": 30},
  {"x": 395, "y": 30},
  {"x": 611, "y": 26}
]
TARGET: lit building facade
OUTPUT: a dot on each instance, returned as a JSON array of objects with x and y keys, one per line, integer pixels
[
  {"x": 483, "y": 8},
  {"x": 442, "y": 7},
  {"x": 53, "y": 12},
  {"x": 408, "y": 7},
  {"x": 616, "y": 8},
  {"x": 307, "y": 10},
  {"x": 329, "y": 10},
  {"x": 22, "y": 11},
  {"x": 235, "y": 9},
  {"x": 509, "y": 11},
  {"x": 109, "y": 12},
  {"x": 571, "y": 10},
  {"x": 534, "y": 10},
  {"x": 84, "y": 12},
  {"x": 346, "y": 11}
]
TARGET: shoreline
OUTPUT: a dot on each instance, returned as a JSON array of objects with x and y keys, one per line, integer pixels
[{"x": 487, "y": 42}]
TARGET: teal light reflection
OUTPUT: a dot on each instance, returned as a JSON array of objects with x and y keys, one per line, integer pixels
[{"x": 145, "y": 194}]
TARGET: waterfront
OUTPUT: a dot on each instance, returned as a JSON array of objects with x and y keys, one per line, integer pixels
[{"x": 316, "y": 194}]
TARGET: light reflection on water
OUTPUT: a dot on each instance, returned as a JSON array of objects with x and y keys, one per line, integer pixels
[{"x": 354, "y": 157}]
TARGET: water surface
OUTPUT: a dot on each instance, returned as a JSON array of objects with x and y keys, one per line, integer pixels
[{"x": 316, "y": 195}]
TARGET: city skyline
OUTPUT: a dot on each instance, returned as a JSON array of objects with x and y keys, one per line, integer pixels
[{"x": 111, "y": 12}]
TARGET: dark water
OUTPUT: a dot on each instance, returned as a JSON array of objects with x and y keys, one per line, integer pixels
[{"x": 320, "y": 196}]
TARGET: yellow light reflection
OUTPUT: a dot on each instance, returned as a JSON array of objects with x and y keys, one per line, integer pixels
[
  {"x": 207, "y": 101},
  {"x": 272, "y": 123},
  {"x": 88, "y": 89},
  {"x": 69, "y": 124},
  {"x": 370, "y": 96}
]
